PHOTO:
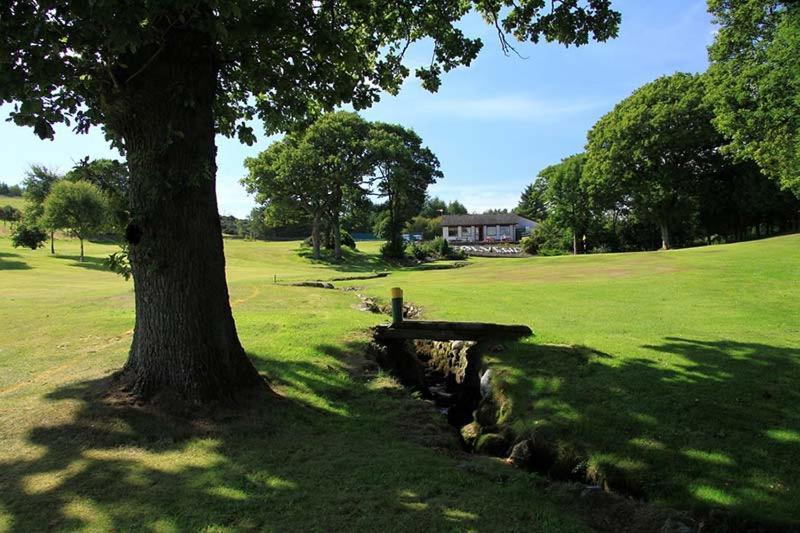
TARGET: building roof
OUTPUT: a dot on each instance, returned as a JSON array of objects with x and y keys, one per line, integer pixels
[{"x": 480, "y": 220}]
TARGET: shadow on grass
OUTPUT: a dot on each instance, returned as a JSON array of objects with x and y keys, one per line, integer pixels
[
  {"x": 340, "y": 451},
  {"x": 698, "y": 425},
  {"x": 352, "y": 260},
  {"x": 90, "y": 263},
  {"x": 12, "y": 264}
]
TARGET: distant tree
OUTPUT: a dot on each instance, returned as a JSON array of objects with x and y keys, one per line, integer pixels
[
  {"x": 429, "y": 228},
  {"x": 433, "y": 207},
  {"x": 496, "y": 211},
  {"x": 533, "y": 205},
  {"x": 456, "y": 208},
  {"x": 229, "y": 225},
  {"x": 37, "y": 183},
  {"x": 11, "y": 214},
  {"x": 77, "y": 207},
  {"x": 28, "y": 236},
  {"x": 654, "y": 146},
  {"x": 10, "y": 190},
  {"x": 568, "y": 197},
  {"x": 163, "y": 78},
  {"x": 754, "y": 83},
  {"x": 112, "y": 178},
  {"x": 313, "y": 172},
  {"x": 403, "y": 169}
]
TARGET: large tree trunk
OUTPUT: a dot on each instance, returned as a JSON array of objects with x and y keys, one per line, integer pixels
[
  {"x": 52, "y": 244},
  {"x": 185, "y": 339},
  {"x": 337, "y": 239},
  {"x": 315, "y": 236},
  {"x": 665, "y": 242}
]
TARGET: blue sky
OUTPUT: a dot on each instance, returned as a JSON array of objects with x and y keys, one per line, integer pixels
[{"x": 493, "y": 125}]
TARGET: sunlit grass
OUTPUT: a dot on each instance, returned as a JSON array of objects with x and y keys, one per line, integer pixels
[{"x": 681, "y": 369}]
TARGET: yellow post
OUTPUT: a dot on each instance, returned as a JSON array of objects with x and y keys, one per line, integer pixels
[{"x": 397, "y": 305}]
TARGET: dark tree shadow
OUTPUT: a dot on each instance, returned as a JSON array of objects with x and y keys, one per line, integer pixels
[
  {"x": 12, "y": 264},
  {"x": 89, "y": 263},
  {"x": 336, "y": 452},
  {"x": 701, "y": 425}
]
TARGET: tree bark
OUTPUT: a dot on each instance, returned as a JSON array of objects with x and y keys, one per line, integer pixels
[
  {"x": 81, "y": 249},
  {"x": 52, "y": 244},
  {"x": 185, "y": 338},
  {"x": 574, "y": 243},
  {"x": 315, "y": 237},
  {"x": 337, "y": 239},
  {"x": 665, "y": 242}
]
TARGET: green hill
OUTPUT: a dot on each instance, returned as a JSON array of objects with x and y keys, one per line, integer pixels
[{"x": 680, "y": 370}]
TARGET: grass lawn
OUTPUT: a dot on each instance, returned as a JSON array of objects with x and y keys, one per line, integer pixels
[{"x": 679, "y": 368}]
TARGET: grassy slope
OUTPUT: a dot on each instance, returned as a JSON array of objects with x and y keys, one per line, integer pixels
[
  {"x": 691, "y": 388},
  {"x": 337, "y": 452},
  {"x": 691, "y": 382}
]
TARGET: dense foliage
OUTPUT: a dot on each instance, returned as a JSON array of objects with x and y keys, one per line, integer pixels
[
  {"x": 754, "y": 83},
  {"x": 77, "y": 207},
  {"x": 10, "y": 190},
  {"x": 331, "y": 168},
  {"x": 655, "y": 173}
]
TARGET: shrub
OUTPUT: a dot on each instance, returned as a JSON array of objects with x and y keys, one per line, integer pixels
[
  {"x": 420, "y": 252},
  {"x": 27, "y": 236},
  {"x": 529, "y": 245},
  {"x": 441, "y": 247}
]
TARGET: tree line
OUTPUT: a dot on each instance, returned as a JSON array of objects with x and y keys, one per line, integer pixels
[{"x": 688, "y": 158}]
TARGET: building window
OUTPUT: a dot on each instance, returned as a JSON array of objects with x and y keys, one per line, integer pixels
[
  {"x": 505, "y": 231},
  {"x": 452, "y": 232},
  {"x": 491, "y": 231}
]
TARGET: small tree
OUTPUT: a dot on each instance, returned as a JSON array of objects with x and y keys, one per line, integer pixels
[
  {"x": 26, "y": 236},
  {"x": 38, "y": 182},
  {"x": 567, "y": 196},
  {"x": 111, "y": 177},
  {"x": 77, "y": 207}
]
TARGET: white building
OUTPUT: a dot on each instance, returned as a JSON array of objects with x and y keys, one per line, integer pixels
[{"x": 501, "y": 227}]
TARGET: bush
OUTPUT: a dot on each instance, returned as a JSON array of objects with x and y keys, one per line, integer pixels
[
  {"x": 441, "y": 247},
  {"x": 419, "y": 252},
  {"x": 549, "y": 238},
  {"x": 529, "y": 245},
  {"x": 27, "y": 236}
]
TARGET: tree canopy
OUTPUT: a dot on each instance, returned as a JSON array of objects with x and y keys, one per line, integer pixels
[
  {"x": 653, "y": 146},
  {"x": 567, "y": 195},
  {"x": 754, "y": 83},
  {"x": 334, "y": 165},
  {"x": 78, "y": 207},
  {"x": 62, "y": 60}
]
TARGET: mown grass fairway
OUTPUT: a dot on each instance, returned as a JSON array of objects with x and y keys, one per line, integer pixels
[{"x": 681, "y": 369}]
